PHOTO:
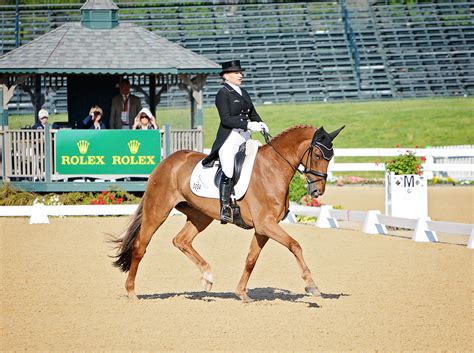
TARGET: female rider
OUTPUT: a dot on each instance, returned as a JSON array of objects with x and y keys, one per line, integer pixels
[{"x": 238, "y": 119}]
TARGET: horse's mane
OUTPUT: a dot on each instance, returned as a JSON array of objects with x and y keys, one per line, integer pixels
[{"x": 291, "y": 129}]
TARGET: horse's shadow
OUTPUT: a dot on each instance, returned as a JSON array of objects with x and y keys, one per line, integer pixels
[{"x": 256, "y": 294}]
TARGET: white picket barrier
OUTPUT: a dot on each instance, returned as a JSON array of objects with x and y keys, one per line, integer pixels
[
  {"x": 455, "y": 161},
  {"x": 373, "y": 221},
  {"x": 39, "y": 213}
]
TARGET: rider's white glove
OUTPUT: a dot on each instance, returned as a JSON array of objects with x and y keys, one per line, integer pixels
[
  {"x": 254, "y": 126},
  {"x": 264, "y": 127}
]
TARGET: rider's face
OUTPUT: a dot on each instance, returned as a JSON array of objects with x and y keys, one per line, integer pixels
[{"x": 234, "y": 77}]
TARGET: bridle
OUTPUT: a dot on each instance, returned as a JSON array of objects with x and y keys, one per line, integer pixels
[{"x": 309, "y": 152}]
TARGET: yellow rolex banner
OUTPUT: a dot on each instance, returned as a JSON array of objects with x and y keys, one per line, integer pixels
[{"x": 107, "y": 151}]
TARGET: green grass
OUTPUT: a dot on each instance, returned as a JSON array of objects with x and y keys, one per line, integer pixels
[{"x": 422, "y": 122}]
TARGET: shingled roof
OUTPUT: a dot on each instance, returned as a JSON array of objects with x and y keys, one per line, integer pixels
[{"x": 76, "y": 49}]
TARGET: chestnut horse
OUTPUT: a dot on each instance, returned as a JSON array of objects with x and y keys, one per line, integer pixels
[{"x": 264, "y": 205}]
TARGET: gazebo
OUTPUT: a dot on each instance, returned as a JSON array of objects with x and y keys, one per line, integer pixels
[{"x": 92, "y": 56}]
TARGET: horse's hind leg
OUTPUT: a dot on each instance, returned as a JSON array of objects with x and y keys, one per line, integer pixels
[
  {"x": 152, "y": 219},
  {"x": 256, "y": 246},
  {"x": 196, "y": 222}
]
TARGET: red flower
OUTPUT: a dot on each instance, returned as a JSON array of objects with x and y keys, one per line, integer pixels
[
  {"x": 416, "y": 146},
  {"x": 423, "y": 159},
  {"x": 111, "y": 197},
  {"x": 398, "y": 145},
  {"x": 104, "y": 192},
  {"x": 119, "y": 200}
]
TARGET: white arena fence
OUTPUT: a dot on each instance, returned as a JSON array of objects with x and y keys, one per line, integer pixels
[
  {"x": 456, "y": 162},
  {"x": 372, "y": 222}
]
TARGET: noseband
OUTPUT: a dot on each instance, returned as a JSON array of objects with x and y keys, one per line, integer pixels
[{"x": 326, "y": 152}]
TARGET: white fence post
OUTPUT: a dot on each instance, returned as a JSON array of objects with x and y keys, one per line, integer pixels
[
  {"x": 290, "y": 218},
  {"x": 372, "y": 225},
  {"x": 423, "y": 233},
  {"x": 470, "y": 242},
  {"x": 325, "y": 220},
  {"x": 38, "y": 214}
]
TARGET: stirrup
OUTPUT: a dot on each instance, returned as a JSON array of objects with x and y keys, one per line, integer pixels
[{"x": 224, "y": 217}]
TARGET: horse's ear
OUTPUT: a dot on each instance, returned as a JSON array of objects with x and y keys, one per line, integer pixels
[
  {"x": 319, "y": 135},
  {"x": 336, "y": 132}
]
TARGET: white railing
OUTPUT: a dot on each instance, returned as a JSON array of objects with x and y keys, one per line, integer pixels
[
  {"x": 438, "y": 159},
  {"x": 372, "y": 222}
]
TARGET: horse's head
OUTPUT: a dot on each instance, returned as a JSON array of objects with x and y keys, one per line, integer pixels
[{"x": 316, "y": 160}]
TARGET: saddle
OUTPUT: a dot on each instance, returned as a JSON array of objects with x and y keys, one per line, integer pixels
[
  {"x": 205, "y": 181},
  {"x": 238, "y": 164}
]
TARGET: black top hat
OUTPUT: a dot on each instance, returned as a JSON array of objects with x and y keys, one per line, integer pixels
[{"x": 231, "y": 66}]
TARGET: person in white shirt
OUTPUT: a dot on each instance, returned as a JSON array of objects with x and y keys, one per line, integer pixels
[{"x": 145, "y": 120}]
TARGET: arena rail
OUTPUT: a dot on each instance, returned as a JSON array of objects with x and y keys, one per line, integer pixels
[
  {"x": 453, "y": 161},
  {"x": 373, "y": 222},
  {"x": 444, "y": 159}
]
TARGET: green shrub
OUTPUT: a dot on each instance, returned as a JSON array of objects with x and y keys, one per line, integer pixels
[{"x": 297, "y": 188}]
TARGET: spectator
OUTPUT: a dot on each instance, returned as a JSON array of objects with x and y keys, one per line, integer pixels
[
  {"x": 145, "y": 120},
  {"x": 93, "y": 120},
  {"x": 43, "y": 116},
  {"x": 125, "y": 107}
]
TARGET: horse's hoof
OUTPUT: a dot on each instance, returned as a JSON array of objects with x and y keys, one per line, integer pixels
[
  {"x": 206, "y": 285},
  {"x": 244, "y": 297},
  {"x": 132, "y": 296},
  {"x": 314, "y": 291},
  {"x": 207, "y": 281}
]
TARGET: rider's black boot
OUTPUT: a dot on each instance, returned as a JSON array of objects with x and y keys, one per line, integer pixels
[{"x": 225, "y": 189}]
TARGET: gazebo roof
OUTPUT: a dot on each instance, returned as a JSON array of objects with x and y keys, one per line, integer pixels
[{"x": 125, "y": 49}]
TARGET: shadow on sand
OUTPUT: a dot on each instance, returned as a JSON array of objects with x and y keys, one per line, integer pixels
[{"x": 256, "y": 294}]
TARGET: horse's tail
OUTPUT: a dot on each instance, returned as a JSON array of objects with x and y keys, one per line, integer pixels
[{"x": 125, "y": 244}]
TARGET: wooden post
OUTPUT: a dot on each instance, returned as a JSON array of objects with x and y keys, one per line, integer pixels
[
  {"x": 152, "y": 94},
  {"x": 37, "y": 97}
]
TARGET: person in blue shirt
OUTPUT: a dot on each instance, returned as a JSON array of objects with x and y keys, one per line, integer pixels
[{"x": 93, "y": 120}]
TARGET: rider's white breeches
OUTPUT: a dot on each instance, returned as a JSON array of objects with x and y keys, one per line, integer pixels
[{"x": 230, "y": 148}]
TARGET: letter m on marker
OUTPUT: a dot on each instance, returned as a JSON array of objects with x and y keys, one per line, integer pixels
[{"x": 408, "y": 181}]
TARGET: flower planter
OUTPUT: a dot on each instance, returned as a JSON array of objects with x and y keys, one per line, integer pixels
[{"x": 406, "y": 195}]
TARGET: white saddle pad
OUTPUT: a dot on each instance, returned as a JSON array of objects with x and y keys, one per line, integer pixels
[{"x": 202, "y": 179}]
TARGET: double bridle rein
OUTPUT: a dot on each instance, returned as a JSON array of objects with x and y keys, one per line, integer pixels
[{"x": 309, "y": 152}]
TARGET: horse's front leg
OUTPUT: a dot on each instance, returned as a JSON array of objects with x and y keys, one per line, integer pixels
[
  {"x": 256, "y": 246},
  {"x": 275, "y": 232}
]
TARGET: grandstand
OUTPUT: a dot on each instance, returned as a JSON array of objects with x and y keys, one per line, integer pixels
[{"x": 298, "y": 51}]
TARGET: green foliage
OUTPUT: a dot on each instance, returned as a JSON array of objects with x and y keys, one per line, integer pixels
[
  {"x": 10, "y": 196},
  {"x": 406, "y": 163},
  {"x": 297, "y": 188}
]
